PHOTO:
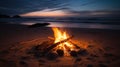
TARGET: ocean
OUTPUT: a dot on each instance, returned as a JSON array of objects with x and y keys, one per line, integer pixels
[{"x": 112, "y": 23}]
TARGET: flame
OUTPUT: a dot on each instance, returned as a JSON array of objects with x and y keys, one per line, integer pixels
[{"x": 59, "y": 36}]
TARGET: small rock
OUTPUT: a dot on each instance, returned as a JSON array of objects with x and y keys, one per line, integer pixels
[
  {"x": 89, "y": 65},
  {"x": 38, "y": 55},
  {"x": 51, "y": 56},
  {"x": 60, "y": 52},
  {"x": 73, "y": 53},
  {"x": 83, "y": 52}
]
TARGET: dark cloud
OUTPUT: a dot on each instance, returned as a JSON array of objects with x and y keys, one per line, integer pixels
[
  {"x": 101, "y": 13},
  {"x": 24, "y": 6},
  {"x": 13, "y": 7}
]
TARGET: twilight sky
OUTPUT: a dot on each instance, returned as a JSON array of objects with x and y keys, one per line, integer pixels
[{"x": 56, "y": 7}]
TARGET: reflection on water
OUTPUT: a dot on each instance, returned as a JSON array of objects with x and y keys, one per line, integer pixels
[{"x": 84, "y": 25}]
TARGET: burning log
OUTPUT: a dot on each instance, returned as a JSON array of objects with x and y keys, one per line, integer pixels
[
  {"x": 54, "y": 45},
  {"x": 74, "y": 45},
  {"x": 67, "y": 48}
]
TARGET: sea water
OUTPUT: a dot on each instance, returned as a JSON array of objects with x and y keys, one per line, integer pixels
[{"x": 86, "y": 22}]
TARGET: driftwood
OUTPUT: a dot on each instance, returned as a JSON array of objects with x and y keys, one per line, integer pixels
[
  {"x": 48, "y": 49},
  {"x": 74, "y": 45}
]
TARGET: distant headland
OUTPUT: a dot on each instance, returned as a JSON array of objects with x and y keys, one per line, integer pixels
[{"x": 7, "y": 16}]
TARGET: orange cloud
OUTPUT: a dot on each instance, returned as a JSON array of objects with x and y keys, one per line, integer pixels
[{"x": 48, "y": 13}]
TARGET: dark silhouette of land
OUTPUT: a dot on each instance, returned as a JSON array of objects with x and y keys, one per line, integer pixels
[
  {"x": 4, "y": 16},
  {"x": 16, "y": 16},
  {"x": 7, "y": 16}
]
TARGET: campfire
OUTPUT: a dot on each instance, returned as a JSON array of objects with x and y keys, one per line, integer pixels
[
  {"x": 60, "y": 45},
  {"x": 60, "y": 36}
]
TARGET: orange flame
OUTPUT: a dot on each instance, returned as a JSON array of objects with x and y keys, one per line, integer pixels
[{"x": 59, "y": 36}]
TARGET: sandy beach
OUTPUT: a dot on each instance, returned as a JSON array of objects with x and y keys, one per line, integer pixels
[
  {"x": 12, "y": 35},
  {"x": 59, "y": 33}
]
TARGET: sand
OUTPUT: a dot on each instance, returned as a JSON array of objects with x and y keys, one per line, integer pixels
[{"x": 16, "y": 35}]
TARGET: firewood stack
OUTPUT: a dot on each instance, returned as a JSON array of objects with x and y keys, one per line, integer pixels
[{"x": 46, "y": 49}]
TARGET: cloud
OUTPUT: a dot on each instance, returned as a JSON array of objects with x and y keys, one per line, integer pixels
[
  {"x": 49, "y": 13},
  {"x": 101, "y": 13},
  {"x": 66, "y": 12},
  {"x": 24, "y": 6},
  {"x": 13, "y": 7}
]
